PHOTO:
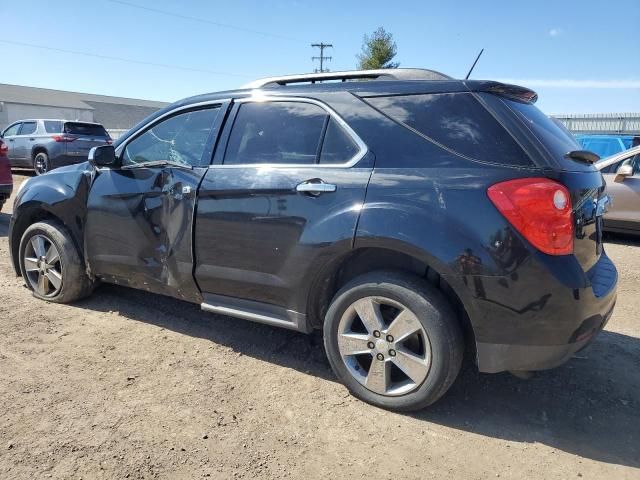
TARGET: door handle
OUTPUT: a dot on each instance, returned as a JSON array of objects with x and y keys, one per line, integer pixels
[
  {"x": 315, "y": 187},
  {"x": 32, "y": 139}
]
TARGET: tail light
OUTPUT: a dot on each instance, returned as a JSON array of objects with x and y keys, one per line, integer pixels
[
  {"x": 4, "y": 149},
  {"x": 63, "y": 138},
  {"x": 540, "y": 209},
  {"x": 109, "y": 141}
]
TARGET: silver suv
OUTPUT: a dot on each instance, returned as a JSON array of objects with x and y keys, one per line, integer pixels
[{"x": 47, "y": 144}]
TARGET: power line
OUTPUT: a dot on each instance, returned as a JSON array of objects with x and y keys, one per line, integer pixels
[
  {"x": 322, "y": 58},
  {"x": 121, "y": 59},
  {"x": 204, "y": 20}
]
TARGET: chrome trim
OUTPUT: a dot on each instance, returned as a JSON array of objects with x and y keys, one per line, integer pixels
[
  {"x": 315, "y": 187},
  {"x": 253, "y": 316},
  {"x": 171, "y": 112},
  {"x": 393, "y": 74},
  {"x": 258, "y": 96}
]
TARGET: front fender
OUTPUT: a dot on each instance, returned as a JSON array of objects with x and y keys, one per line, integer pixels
[{"x": 60, "y": 194}]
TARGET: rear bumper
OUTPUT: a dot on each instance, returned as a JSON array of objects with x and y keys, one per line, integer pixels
[
  {"x": 496, "y": 357},
  {"x": 540, "y": 315}
]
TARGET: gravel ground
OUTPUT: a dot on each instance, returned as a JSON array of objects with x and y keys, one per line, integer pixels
[{"x": 127, "y": 384}]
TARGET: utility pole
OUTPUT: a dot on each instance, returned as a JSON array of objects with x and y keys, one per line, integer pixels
[{"x": 322, "y": 58}]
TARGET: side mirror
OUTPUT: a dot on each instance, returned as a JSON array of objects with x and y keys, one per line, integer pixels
[
  {"x": 623, "y": 172},
  {"x": 103, "y": 156}
]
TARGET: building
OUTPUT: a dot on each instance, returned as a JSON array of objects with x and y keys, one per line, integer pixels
[
  {"x": 602, "y": 123},
  {"x": 116, "y": 114}
]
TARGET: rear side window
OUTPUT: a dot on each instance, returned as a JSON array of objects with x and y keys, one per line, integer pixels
[
  {"x": 52, "y": 126},
  {"x": 556, "y": 140},
  {"x": 276, "y": 132},
  {"x": 88, "y": 129},
  {"x": 457, "y": 122},
  {"x": 28, "y": 128},
  {"x": 338, "y": 147}
]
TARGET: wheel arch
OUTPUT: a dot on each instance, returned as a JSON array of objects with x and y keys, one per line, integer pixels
[{"x": 368, "y": 259}]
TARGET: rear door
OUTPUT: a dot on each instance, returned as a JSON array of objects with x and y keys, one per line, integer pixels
[
  {"x": 140, "y": 216},
  {"x": 82, "y": 137},
  {"x": 282, "y": 198}
]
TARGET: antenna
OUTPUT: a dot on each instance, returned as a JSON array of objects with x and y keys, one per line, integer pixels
[{"x": 474, "y": 65}]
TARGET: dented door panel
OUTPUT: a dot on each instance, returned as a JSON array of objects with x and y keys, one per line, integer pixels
[{"x": 139, "y": 229}]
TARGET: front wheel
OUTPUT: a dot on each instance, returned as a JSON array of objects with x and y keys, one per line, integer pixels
[
  {"x": 393, "y": 340},
  {"x": 51, "y": 264},
  {"x": 41, "y": 163}
]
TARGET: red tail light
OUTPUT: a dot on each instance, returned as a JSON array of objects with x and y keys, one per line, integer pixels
[
  {"x": 109, "y": 141},
  {"x": 540, "y": 209},
  {"x": 63, "y": 138},
  {"x": 4, "y": 149}
]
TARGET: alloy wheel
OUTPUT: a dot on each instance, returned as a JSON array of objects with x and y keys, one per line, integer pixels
[
  {"x": 384, "y": 346},
  {"x": 40, "y": 164},
  {"x": 43, "y": 266}
]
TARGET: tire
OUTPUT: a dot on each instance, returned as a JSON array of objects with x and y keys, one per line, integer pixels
[
  {"x": 65, "y": 277},
  {"x": 432, "y": 355},
  {"x": 41, "y": 163}
]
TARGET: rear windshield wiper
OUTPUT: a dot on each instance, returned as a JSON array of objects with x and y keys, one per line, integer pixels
[{"x": 584, "y": 156}]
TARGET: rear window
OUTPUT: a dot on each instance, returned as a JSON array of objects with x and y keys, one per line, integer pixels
[
  {"x": 89, "y": 129},
  {"x": 457, "y": 122},
  {"x": 52, "y": 126},
  {"x": 556, "y": 140}
]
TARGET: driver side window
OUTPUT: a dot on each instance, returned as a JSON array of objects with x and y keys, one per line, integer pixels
[{"x": 179, "y": 139}]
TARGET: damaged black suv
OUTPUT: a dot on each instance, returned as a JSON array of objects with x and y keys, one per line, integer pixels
[{"x": 405, "y": 213}]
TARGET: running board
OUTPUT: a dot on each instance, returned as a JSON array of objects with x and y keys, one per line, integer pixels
[{"x": 256, "y": 312}]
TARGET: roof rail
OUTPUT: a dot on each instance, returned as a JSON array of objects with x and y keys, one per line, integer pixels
[{"x": 381, "y": 74}]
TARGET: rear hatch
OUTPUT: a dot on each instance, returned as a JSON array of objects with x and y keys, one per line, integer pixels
[
  {"x": 81, "y": 137},
  {"x": 548, "y": 145}
]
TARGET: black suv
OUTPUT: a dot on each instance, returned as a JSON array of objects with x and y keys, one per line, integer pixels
[{"x": 401, "y": 211}]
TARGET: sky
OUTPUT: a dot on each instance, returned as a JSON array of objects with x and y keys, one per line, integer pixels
[{"x": 580, "y": 56}]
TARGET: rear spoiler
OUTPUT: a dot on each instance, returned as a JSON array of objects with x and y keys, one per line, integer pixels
[{"x": 512, "y": 92}]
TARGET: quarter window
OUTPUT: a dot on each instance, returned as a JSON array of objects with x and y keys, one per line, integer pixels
[
  {"x": 338, "y": 146},
  {"x": 12, "y": 130},
  {"x": 28, "y": 128},
  {"x": 276, "y": 132},
  {"x": 180, "y": 139},
  {"x": 456, "y": 121},
  {"x": 53, "y": 126}
]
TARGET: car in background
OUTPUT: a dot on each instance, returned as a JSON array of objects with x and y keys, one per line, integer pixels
[
  {"x": 605, "y": 145},
  {"x": 47, "y": 144},
  {"x": 622, "y": 174},
  {"x": 6, "y": 180}
]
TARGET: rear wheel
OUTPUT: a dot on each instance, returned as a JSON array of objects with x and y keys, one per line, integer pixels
[
  {"x": 393, "y": 340},
  {"x": 41, "y": 163},
  {"x": 51, "y": 265}
]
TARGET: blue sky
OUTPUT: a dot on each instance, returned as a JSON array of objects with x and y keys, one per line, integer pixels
[{"x": 580, "y": 56}]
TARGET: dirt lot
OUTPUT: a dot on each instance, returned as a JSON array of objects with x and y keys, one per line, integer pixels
[{"x": 132, "y": 385}]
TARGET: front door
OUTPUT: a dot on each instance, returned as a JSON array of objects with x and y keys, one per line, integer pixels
[
  {"x": 140, "y": 215},
  {"x": 283, "y": 201},
  {"x": 23, "y": 143},
  {"x": 9, "y": 137}
]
